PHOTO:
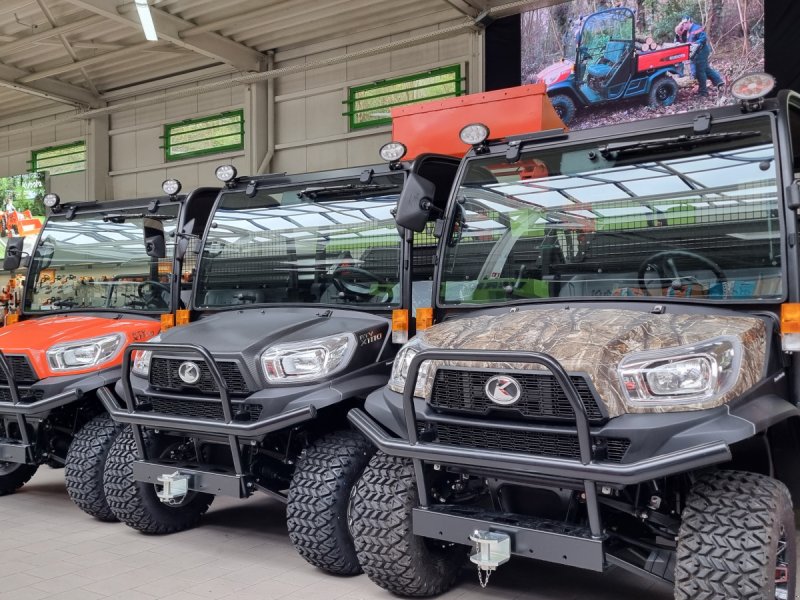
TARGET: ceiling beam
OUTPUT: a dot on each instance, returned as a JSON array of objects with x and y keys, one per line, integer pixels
[
  {"x": 464, "y": 8},
  {"x": 170, "y": 28},
  {"x": 65, "y": 42},
  {"x": 27, "y": 41},
  {"x": 129, "y": 52},
  {"x": 51, "y": 89}
]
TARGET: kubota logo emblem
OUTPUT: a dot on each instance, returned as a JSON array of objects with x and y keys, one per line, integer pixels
[
  {"x": 503, "y": 390},
  {"x": 189, "y": 372}
]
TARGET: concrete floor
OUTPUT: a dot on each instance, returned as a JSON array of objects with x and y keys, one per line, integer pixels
[{"x": 50, "y": 549}]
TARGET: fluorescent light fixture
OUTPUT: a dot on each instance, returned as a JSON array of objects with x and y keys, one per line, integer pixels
[{"x": 147, "y": 20}]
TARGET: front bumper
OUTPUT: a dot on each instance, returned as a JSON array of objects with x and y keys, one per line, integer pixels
[
  {"x": 663, "y": 445},
  {"x": 280, "y": 408},
  {"x": 55, "y": 392}
]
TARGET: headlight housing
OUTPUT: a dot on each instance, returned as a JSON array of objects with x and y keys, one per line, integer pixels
[
  {"x": 140, "y": 359},
  {"x": 402, "y": 362},
  {"x": 307, "y": 360},
  {"x": 699, "y": 373},
  {"x": 83, "y": 354}
]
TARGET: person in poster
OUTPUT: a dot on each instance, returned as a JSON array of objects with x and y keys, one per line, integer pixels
[{"x": 695, "y": 34}]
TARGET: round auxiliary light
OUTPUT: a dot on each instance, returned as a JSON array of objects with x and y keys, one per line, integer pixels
[
  {"x": 226, "y": 173},
  {"x": 474, "y": 134},
  {"x": 171, "y": 187},
  {"x": 393, "y": 151},
  {"x": 51, "y": 200},
  {"x": 753, "y": 86}
]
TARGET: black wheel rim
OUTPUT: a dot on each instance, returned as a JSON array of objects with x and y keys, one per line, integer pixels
[
  {"x": 781, "y": 568},
  {"x": 663, "y": 94}
]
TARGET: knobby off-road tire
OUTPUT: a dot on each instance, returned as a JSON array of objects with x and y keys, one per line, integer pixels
[
  {"x": 86, "y": 463},
  {"x": 13, "y": 476},
  {"x": 380, "y": 522},
  {"x": 135, "y": 503},
  {"x": 318, "y": 499},
  {"x": 663, "y": 93},
  {"x": 564, "y": 106},
  {"x": 729, "y": 538}
]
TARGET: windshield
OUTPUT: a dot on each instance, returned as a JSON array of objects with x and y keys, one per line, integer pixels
[
  {"x": 97, "y": 261},
  {"x": 694, "y": 220},
  {"x": 329, "y": 242}
]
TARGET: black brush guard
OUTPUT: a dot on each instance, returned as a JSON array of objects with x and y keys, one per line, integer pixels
[
  {"x": 553, "y": 542},
  {"x": 203, "y": 478},
  {"x": 21, "y": 450}
]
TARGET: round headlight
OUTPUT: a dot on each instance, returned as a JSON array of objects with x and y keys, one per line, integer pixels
[
  {"x": 752, "y": 86},
  {"x": 226, "y": 173},
  {"x": 51, "y": 200},
  {"x": 474, "y": 134},
  {"x": 393, "y": 151},
  {"x": 171, "y": 187}
]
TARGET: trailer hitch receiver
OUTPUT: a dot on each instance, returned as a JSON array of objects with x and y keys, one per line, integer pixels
[
  {"x": 174, "y": 488},
  {"x": 492, "y": 549}
]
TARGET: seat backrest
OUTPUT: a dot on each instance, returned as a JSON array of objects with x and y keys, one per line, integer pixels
[{"x": 614, "y": 51}]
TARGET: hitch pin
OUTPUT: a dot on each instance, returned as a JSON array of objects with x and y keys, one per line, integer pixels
[{"x": 492, "y": 549}]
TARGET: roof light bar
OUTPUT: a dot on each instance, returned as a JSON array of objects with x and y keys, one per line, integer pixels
[{"x": 146, "y": 18}]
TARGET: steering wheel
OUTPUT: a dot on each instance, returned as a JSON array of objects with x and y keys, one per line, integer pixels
[
  {"x": 150, "y": 293},
  {"x": 666, "y": 258},
  {"x": 355, "y": 289}
]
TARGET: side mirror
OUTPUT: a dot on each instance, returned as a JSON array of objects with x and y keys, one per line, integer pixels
[
  {"x": 415, "y": 203},
  {"x": 154, "y": 243},
  {"x": 13, "y": 256}
]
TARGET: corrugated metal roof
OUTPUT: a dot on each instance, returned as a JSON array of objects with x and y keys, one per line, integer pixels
[{"x": 55, "y": 52}]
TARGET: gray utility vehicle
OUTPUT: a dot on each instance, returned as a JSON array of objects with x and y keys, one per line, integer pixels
[
  {"x": 293, "y": 299},
  {"x": 609, "y": 382},
  {"x": 93, "y": 286}
]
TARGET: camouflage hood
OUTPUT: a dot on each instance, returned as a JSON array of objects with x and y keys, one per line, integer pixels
[{"x": 594, "y": 341}]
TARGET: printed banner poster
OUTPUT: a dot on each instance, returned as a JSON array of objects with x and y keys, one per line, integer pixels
[{"x": 607, "y": 61}]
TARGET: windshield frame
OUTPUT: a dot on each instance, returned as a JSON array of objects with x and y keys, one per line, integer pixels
[
  {"x": 109, "y": 207},
  {"x": 665, "y": 126},
  {"x": 326, "y": 178}
]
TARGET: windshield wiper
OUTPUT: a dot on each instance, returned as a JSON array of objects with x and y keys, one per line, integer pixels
[
  {"x": 121, "y": 218},
  {"x": 345, "y": 190},
  {"x": 621, "y": 149}
]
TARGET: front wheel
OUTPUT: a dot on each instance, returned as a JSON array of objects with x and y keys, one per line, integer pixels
[
  {"x": 317, "y": 505},
  {"x": 136, "y": 503},
  {"x": 380, "y": 522},
  {"x": 737, "y": 539},
  {"x": 85, "y": 465},
  {"x": 13, "y": 476},
  {"x": 663, "y": 92},
  {"x": 564, "y": 106}
]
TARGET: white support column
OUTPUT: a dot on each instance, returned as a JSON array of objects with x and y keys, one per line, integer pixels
[
  {"x": 255, "y": 123},
  {"x": 98, "y": 147},
  {"x": 475, "y": 78}
]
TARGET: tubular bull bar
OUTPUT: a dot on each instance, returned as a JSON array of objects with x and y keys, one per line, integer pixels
[
  {"x": 21, "y": 451},
  {"x": 201, "y": 477},
  {"x": 448, "y": 524}
]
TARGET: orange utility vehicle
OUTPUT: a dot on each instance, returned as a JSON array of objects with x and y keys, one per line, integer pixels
[
  {"x": 15, "y": 222},
  {"x": 94, "y": 285}
]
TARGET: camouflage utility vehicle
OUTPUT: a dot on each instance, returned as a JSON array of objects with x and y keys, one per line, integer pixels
[
  {"x": 611, "y": 378},
  {"x": 293, "y": 300},
  {"x": 93, "y": 286}
]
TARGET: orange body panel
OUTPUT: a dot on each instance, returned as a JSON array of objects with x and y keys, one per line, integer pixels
[
  {"x": 662, "y": 58},
  {"x": 35, "y": 336},
  {"x": 434, "y": 126}
]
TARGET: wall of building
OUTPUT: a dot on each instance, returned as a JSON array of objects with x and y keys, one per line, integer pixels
[{"x": 311, "y": 133}]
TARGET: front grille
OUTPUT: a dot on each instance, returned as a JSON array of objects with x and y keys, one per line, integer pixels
[
  {"x": 25, "y": 396},
  {"x": 21, "y": 368},
  {"x": 542, "y": 396},
  {"x": 552, "y": 445},
  {"x": 199, "y": 409},
  {"x": 164, "y": 376}
]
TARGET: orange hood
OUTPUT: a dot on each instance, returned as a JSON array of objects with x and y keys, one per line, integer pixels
[{"x": 35, "y": 336}]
